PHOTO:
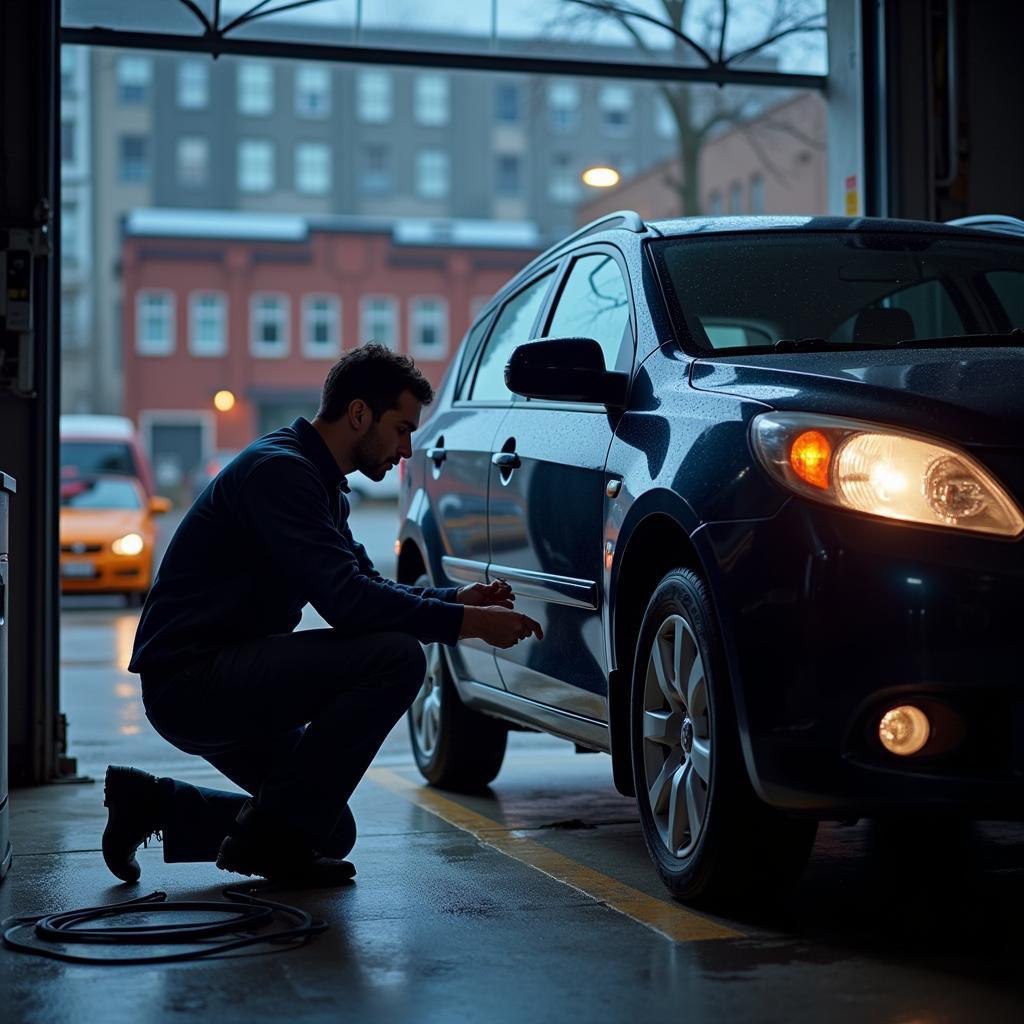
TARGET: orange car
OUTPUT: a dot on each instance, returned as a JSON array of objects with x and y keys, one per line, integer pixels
[{"x": 107, "y": 536}]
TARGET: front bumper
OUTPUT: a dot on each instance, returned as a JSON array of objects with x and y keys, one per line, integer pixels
[
  {"x": 829, "y": 619},
  {"x": 105, "y": 573}
]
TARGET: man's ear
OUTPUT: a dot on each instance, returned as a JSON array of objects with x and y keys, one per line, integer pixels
[{"x": 359, "y": 414}]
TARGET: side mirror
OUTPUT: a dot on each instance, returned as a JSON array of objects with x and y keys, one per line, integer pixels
[
  {"x": 565, "y": 370},
  {"x": 158, "y": 505}
]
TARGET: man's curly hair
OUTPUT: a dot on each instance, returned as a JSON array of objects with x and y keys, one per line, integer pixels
[{"x": 374, "y": 374}]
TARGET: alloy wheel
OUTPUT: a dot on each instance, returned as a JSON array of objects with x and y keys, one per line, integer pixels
[
  {"x": 425, "y": 712},
  {"x": 677, "y": 735}
]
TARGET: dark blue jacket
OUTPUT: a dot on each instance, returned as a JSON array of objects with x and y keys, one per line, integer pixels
[{"x": 268, "y": 535}]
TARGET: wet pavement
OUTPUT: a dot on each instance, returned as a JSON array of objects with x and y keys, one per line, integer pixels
[{"x": 535, "y": 900}]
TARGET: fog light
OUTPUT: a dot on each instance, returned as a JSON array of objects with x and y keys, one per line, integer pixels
[{"x": 904, "y": 730}]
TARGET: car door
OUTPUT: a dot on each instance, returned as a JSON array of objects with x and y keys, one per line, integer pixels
[
  {"x": 458, "y": 457},
  {"x": 547, "y": 497}
]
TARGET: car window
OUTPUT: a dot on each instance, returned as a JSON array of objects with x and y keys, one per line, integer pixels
[
  {"x": 95, "y": 456},
  {"x": 118, "y": 494},
  {"x": 470, "y": 350},
  {"x": 1009, "y": 288},
  {"x": 512, "y": 328},
  {"x": 594, "y": 304}
]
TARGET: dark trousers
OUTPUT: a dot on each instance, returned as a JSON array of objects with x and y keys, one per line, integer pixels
[{"x": 293, "y": 719}]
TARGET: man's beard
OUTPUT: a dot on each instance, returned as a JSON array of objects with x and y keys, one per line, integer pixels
[{"x": 370, "y": 457}]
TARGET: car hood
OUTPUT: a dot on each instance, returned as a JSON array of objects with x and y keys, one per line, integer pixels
[
  {"x": 99, "y": 524},
  {"x": 974, "y": 396}
]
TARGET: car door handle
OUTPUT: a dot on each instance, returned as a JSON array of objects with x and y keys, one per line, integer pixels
[
  {"x": 506, "y": 460},
  {"x": 437, "y": 455}
]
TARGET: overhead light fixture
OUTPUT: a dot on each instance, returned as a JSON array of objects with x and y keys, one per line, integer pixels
[{"x": 601, "y": 177}]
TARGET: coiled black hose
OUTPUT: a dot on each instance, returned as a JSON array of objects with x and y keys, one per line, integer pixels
[{"x": 249, "y": 914}]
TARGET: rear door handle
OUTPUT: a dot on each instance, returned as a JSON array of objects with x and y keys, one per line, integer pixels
[
  {"x": 506, "y": 460},
  {"x": 437, "y": 455}
]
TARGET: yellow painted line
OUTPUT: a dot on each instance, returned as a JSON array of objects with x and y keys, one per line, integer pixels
[{"x": 668, "y": 919}]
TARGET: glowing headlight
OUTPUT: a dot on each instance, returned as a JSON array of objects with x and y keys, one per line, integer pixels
[
  {"x": 883, "y": 471},
  {"x": 129, "y": 544}
]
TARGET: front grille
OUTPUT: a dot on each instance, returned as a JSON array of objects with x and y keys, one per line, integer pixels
[{"x": 80, "y": 549}]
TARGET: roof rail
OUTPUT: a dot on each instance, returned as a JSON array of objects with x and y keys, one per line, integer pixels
[
  {"x": 991, "y": 222},
  {"x": 630, "y": 221}
]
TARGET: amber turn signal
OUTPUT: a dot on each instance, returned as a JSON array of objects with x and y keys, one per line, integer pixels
[{"x": 809, "y": 456}]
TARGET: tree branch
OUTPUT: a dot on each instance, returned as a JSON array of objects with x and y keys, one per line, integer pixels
[
  {"x": 804, "y": 26},
  {"x": 190, "y": 5},
  {"x": 721, "y": 34}
]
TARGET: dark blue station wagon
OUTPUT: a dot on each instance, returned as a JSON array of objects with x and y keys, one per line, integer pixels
[{"x": 761, "y": 483}]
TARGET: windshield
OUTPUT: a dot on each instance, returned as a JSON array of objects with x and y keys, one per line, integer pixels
[
  {"x": 744, "y": 291},
  {"x": 98, "y": 456},
  {"x": 99, "y": 494}
]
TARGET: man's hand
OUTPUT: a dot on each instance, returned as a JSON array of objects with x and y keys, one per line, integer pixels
[
  {"x": 499, "y": 627},
  {"x": 483, "y": 595}
]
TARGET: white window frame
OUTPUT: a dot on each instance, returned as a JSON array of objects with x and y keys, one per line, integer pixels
[
  {"x": 313, "y": 184},
  {"x": 200, "y": 349},
  {"x": 193, "y": 85},
  {"x": 134, "y": 72},
  {"x": 365, "y": 315},
  {"x": 259, "y": 348},
  {"x": 374, "y": 96},
  {"x": 416, "y": 311},
  {"x": 180, "y": 164},
  {"x": 255, "y": 185},
  {"x": 564, "y": 106},
  {"x": 310, "y": 348},
  {"x": 431, "y": 99},
  {"x": 435, "y": 161},
  {"x": 255, "y": 84},
  {"x": 143, "y": 347},
  {"x": 313, "y": 81}
]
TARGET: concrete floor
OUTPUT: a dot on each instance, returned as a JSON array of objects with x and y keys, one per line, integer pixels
[{"x": 535, "y": 901}]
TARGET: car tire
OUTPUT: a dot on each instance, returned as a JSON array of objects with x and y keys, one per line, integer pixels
[
  {"x": 455, "y": 747},
  {"x": 711, "y": 838}
]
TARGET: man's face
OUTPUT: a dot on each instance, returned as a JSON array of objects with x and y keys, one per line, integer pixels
[{"x": 389, "y": 439}]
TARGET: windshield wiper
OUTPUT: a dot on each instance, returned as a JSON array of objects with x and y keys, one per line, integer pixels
[
  {"x": 1009, "y": 339},
  {"x": 821, "y": 345}
]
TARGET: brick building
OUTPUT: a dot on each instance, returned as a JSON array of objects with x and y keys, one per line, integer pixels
[{"x": 261, "y": 304}]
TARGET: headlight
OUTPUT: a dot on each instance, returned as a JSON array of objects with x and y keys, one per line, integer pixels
[
  {"x": 129, "y": 544},
  {"x": 882, "y": 471}
]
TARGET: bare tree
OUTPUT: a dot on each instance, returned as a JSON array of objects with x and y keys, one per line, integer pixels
[{"x": 696, "y": 110}]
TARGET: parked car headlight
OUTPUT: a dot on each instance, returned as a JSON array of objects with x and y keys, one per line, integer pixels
[
  {"x": 865, "y": 467},
  {"x": 129, "y": 544}
]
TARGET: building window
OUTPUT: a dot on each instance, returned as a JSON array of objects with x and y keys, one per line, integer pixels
[
  {"x": 269, "y": 326},
  {"x": 134, "y": 75},
  {"x": 255, "y": 89},
  {"x": 67, "y": 142},
  {"x": 68, "y": 61},
  {"x": 378, "y": 321},
  {"x": 133, "y": 163},
  {"x": 375, "y": 178},
  {"x": 431, "y": 99},
  {"x": 715, "y": 204},
  {"x": 207, "y": 328},
  {"x": 562, "y": 185},
  {"x": 255, "y": 165},
  {"x": 428, "y": 328},
  {"x": 193, "y": 160},
  {"x": 506, "y": 103},
  {"x": 756, "y": 194},
  {"x": 321, "y": 326},
  {"x": 154, "y": 323},
  {"x": 193, "y": 85},
  {"x": 432, "y": 173},
  {"x": 616, "y": 102},
  {"x": 373, "y": 97},
  {"x": 509, "y": 176},
  {"x": 563, "y": 106},
  {"x": 735, "y": 198},
  {"x": 664, "y": 119},
  {"x": 313, "y": 168},
  {"x": 70, "y": 234},
  {"x": 313, "y": 91}
]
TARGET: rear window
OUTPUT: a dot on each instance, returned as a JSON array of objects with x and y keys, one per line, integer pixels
[
  {"x": 741, "y": 292},
  {"x": 95, "y": 458}
]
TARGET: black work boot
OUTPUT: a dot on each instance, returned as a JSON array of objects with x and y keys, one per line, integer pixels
[
  {"x": 132, "y": 799},
  {"x": 255, "y": 847}
]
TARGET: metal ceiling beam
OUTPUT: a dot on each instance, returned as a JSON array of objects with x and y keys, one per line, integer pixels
[{"x": 451, "y": 59}]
